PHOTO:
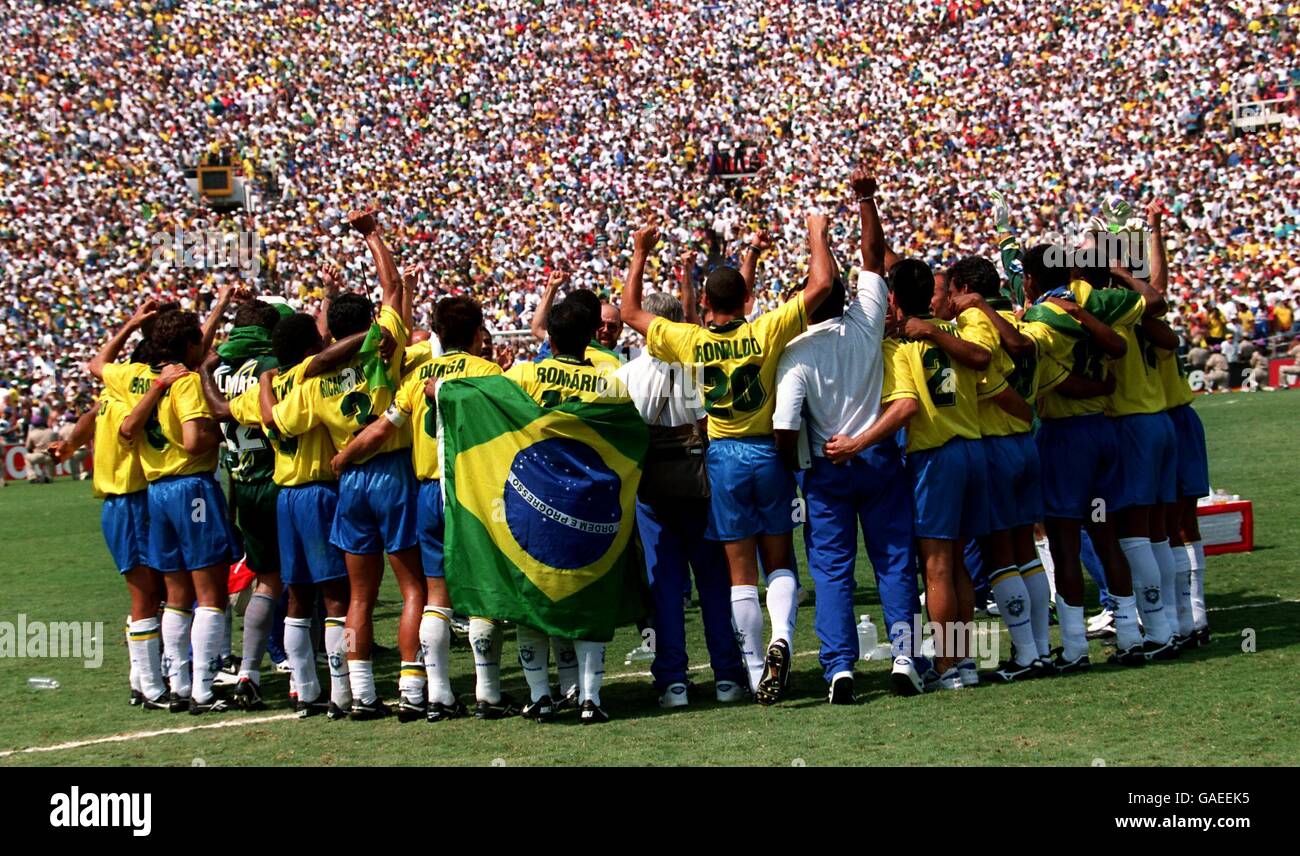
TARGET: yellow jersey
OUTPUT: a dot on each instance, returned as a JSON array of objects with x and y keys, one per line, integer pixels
[
  {"x": 416, "y": 356},
  {"x": 343, "y": 401},
  {"x": 1138, "y": 387},
  {"x": 737, "y": 362},
  {"x": 162, "y": 449},
  {"x": 412, "y": 404},
  {"x": 1173, "y": 379},
  {"x": 117, "y": 469},
  {"x": 298, "y": 460},
  {"x": 556, "y": 380},
  {"x": 945, "y": 392}
]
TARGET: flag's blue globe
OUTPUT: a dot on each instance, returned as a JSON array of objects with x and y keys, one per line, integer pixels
[{"x": 562, "y": 503}]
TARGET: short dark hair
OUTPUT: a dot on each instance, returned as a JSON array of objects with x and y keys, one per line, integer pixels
[
  {"x": 567, "y": 327},
  {"x": 725, "y": 288},
  {"x": 144, "y": 351},
  {"x": 977, "y": 274},
  {"x": 294, "y": 338},
  {"x": 831, "y": 307},
  {"x": 590, "y": 304},
  {"x": 912, "y": 282},
  {"x": 348, "y": 314},
  {"x": 173, "y": 333},
  {"x": 457, "y": 321},
  {"x": 1048, "y": 277},
  {"x": 255, "y": 313}
]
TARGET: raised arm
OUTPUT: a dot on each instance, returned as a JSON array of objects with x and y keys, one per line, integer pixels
[
  {"x": 332, "y": 277},
  {"x": 758, "y": 243},
  {"x": 343, "y": 351},
  {"x": 210, "y": 324},
  {"x": 644, "y": 241},
  {"x": 969, "y": 354},
  {"x": 538, "y": 325},
  {"x": 390, "y": 279},
  {"x": 1155, "y": 301},
  {"x": 410, "y": 285},
  {"x": 1156, "y": 247},
  {"x": 873, "y": 235},
  {"x": 690, "y": 305},
  {"x": 1112, "y": 344},
  {"x": 139, "y": 416},
  {"x": 821, "y": 267},
  {"x": 113, "y": 346}
]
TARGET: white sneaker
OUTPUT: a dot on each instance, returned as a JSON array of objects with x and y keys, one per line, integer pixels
[
  {"x": 730, "y": 691},
  {"x": 674, "y": 696},
  {"x": 905, "y": 678},
  {"x": 969, "y": 672},
  {"x": 951, "y": 680}
]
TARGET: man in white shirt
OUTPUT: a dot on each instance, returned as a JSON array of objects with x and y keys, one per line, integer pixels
[
  {"x": 830, "y": 379},
  {"x": 673, "y": 534}
]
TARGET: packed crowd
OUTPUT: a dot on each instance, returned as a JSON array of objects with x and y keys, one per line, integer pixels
[{"x": 510, "y": 138}]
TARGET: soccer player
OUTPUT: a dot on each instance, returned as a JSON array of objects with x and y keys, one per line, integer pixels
[
  {"x": 753, "y": 494},
  {"x": 250, "y": 463},
  {"x": 569, "y": 375},
  {"x": 189, "y": 537},
  {"x": 459, "y": 327},
  {"x": 829, "y": 379},
  {"x": 602, "y": 318},
  {"x": 377, "y": 496}
]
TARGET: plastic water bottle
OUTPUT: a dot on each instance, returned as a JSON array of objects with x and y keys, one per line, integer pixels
[
  {"x": 42, "y": 684},
  {"x": 868, "y": 638}
]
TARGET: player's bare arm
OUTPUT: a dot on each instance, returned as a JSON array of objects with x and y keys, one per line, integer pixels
[
  {"x": 217, "y": 402},
  {"x": 1112, "y": 344},
  {"x": 537, "y": 326},
  {"x": 143, "y": 411},
  {"x": 1014, "y": 342},
  {"x": 872, "y": 241},
  {"x": 366, "y": 223},
  {"x": 644, "y": 241},
  {"x": 969, "y": 354},
  {"x": 113, "y": 346},
  {"x": 821, "y": 265},
  {"x": 895, "y": 415}
]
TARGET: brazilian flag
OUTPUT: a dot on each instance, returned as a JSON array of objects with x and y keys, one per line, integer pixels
[
  {"x": 1107, "y": 304},
  {"x": 540, "y": 508}
]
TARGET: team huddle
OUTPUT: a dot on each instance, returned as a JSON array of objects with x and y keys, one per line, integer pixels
[{"x": 946, "y": 414}]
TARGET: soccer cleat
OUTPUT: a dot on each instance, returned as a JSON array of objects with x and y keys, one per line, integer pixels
[
  {"x": 1202, "y": 637},
  {"x": 951, "y": 680},
  {"x": 439, "y": 711},
  {"x": 247, "y": 696},
  {"x": 674, "y": 696},
  {"x": 842, "y": 690},
  {"x": 542, "y": 710},
  {"x": 305, "y": 709},
  {"x": 1160, "y": 650},
  {"x": 589, "y": 713},
  {"x": 969, "y": 672},
  {"x": 728, "y": 692},
  {"x": 1009, "y": 671},
  {"x": 776, "y": 673},
  {"x": 363, "y": 711},
  {"x": 1046, "y": 668},
  {"x": 412, "y": 711},
  {"x": 1133, "y": 656},
  {"x": 136, "y": 699},
  {"x": 906, "y": 679},
  {"x": 506, "y": 707},
  {"x": 212, "y": 705},
  {"x": 334, "y": 713},
  {"x": 163, "y": 702},
  {"x": 1101, "y": 625},
  {"x": 1062, "y": 666},
  {"x": 284, "y": 668},
  {"x": 178, "y": 703},
  {"x": 568, "y": 702}
]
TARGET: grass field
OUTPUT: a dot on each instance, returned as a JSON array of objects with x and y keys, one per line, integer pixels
[{"x": 1218, "y": 707}]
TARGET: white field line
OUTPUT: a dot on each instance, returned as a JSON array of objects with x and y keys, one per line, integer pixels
[{"x": 279, "y": 717}]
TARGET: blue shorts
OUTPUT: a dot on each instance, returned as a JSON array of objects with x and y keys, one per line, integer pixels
[
  {"x": 1193, "y": 462},
  {"x": 1148, "y": 455},
  {"x": 950, "y": 490},
  {"x": 303, "y": 514},
  {"x": 429, "y": 517},
  {"x": 376, "y": 511},
  {"x": 189, "y": 524},
  {"x": 753, "y": 492},
  {"x": 1015, "y": 482},
  {"x": 125, "y": 521},
  {"x": 1078, "y": 456}
]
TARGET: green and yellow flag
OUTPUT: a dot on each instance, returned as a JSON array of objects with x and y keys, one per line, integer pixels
[{"x": 540, "y": 508}]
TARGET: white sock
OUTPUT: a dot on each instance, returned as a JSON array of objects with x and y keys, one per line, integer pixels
[
  {"x": 1012, "y": 597},
  {"x": 302, "y": 660},
  {"x": 591, "y": 669},
  {"x": 566, "y": 661},
  {"x": 1146, "y": 588},
  {"x": 534, "y": 651},
  {"x": 176, "y": 642},
  {"x": 337, "y": 655},
  {"x": 410, "y": 682},
  {"x": 361, "y": 677},
  {"x": 1040, "y": 605},
  {"x": 747, "y": 621},
  {"x": 1127, "y": 633},
  {"x": 435, "y": 645},
  {"x": 485, "y": 641},
  {"x": 1168, "y": 581},
  {"x": 1196, "y": 560},
  {"x": 1074, "y": 633},
  {"x": 782, "y": 603},
  {"x": 205, "y": 639},
  {"x": 258, "y": 618},
  {"x": 145, "y": 646},
  {"x": 133, "y": 676},
  {"x": 1183, "y": 591},
  {"x": 1049, "y": 567}
]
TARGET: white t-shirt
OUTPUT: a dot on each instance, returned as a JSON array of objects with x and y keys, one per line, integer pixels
[
  {"x": 833, "y": 373},
  {"x": 661, "y": 393}
]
